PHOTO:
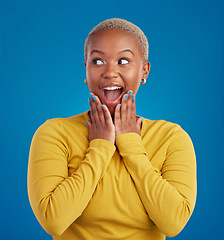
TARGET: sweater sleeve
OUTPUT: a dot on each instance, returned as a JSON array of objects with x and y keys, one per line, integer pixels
[
  {"x": 168, "y": 195},
  {"x": 56, "y": 198}
]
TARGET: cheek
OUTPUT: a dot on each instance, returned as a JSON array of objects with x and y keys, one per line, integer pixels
[
  {"x": 92, "y": 74},
  {"x": 132, "y": 78},
  {"x": 89, "y": 72},
  {"x": 92, "y": 78},
  {"x": 134, "y": 71}
]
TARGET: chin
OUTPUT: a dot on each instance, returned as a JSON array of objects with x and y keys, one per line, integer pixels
[{"x": 112, "y": 110}]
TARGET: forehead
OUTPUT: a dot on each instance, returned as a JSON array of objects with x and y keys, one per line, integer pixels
[{"x": 114, "y": 40}]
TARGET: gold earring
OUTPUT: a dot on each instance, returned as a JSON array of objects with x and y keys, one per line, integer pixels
[
  {"x": 143, "y": 81},
  {"x": 85, "y": 81}
]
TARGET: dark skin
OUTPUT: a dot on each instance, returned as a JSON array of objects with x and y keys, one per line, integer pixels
[{"x": 114, "y": 58}]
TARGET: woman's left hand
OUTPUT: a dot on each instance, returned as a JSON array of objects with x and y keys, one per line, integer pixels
[{"x": 125, "y": 120}]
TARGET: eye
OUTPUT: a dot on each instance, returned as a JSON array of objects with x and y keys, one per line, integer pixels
[
  {"x": 97, "y": 61},
  {"x": 123, "y": 61}
]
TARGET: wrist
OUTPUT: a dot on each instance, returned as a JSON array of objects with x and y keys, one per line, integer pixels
[
  {"x": 128, "y": 141},
  {"x": 138, "y": 131},
  {"x": 111, "y": 140}
]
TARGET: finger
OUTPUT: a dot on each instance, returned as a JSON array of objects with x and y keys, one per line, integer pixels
[
  {"x": 124, "y": 108},
  {"x": 133, "y": 108},
  {"x": 129, "y": 105},
  {"x": 88, "y": 123},
  {"x": 117, "y": 114},
  {"x": 90, "y": 105},
  {"x": 107, "y": 115},
  {"x": 100, "y": 110},
  {"x": 89, "y": 126},
  {"x": 93, "y": 110},
  {"x": 139, "y": 123}
]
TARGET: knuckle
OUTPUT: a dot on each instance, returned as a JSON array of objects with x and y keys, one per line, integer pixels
[
  {"x": 99, "y": 111},
  {"x": 117, "y": 117},
  {"x": 107, "y": 118},
  {"x": 97, "y": 103}
]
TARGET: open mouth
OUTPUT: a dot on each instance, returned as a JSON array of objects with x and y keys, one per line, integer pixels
[{"x": 112, "y": 93}]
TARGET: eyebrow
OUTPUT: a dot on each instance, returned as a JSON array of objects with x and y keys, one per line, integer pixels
[
  {"x": 97, "y": 51},
  {"x": 127, "y": 50}
]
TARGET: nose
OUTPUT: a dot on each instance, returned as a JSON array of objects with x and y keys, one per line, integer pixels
[{"x": 110, "y": 71}]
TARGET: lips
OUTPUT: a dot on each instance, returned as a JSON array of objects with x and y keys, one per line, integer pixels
[{"x": 112, "y": 92}]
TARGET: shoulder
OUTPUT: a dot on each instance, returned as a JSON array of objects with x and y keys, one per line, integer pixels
[
  {"x": 161, "y": 127},
  {"x": 63, "y": 125},
  {"x": 73, "y": 120},
  {"x": 162, "y": 131}
]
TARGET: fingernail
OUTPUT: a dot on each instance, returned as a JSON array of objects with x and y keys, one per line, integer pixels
[
  {"x": 130, "y": 92},
  {"x": 133, "y": 96},
  {"x": 102, "y": 106},
  {"x": 142, "y": 120},
  {"x": 119, "y": 106},
  {"x": 126, "y": 96},
  {"x": 86, "y": 123},
  {"x": 92, "y": 96}
]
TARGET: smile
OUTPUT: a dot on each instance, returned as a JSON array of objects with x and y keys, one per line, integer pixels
[{"x": 112, "y": 92}]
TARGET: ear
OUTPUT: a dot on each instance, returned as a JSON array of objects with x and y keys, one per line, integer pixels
[
  {"x": 85, "y": 64},
  {"x": 146, "y": 69}
]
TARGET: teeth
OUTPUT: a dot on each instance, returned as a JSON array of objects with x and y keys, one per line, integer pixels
[{"x": 112, "y": 88}]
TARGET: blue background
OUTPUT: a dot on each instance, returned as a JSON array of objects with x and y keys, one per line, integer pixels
[{"x": 42, "y": 73}]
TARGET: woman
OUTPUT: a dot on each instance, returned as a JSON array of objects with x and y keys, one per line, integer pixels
[{"x": 107, "y": 173}]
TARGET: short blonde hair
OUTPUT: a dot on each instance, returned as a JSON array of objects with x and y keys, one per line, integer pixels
[{"x": 117, "y": 23}]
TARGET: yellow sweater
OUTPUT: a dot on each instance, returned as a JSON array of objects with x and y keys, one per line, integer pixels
[{"x": 142, "y": 188}]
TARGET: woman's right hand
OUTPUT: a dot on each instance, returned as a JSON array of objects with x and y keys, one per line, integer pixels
[{"x": 101, "y": 125}]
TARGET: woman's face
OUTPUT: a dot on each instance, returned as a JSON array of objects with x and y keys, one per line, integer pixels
[{"x": 114, "y": 65}]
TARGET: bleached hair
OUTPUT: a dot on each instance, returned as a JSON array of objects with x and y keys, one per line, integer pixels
[{"x": 117, "y": 23}]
